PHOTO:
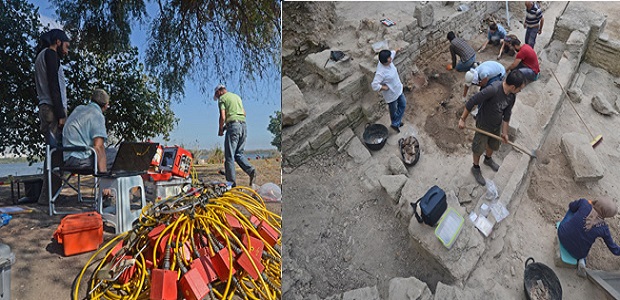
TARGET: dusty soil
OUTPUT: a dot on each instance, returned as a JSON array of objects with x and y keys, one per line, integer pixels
[
  {"x": 339, "y": 237},
  {"x": 41, "y": 271}
]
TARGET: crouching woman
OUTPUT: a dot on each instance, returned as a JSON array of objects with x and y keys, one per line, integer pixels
[{"x": 583, "y": 223}]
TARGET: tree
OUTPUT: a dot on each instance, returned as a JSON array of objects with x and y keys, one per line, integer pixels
[
  {"x": 196, "y": 40},
  {"x": 275, "y": 127},
  {"x": 19, "y": 122},
  {"x": 137, "y": 111}
]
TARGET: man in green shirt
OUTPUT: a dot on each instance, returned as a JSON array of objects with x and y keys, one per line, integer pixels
[{"x": 232, "y": 119}]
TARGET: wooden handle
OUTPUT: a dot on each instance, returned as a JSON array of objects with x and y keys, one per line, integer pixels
[{"x": 499, "y": 138}]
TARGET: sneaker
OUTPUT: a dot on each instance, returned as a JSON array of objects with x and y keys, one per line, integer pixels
[
  {"x": 478, "y": 175},
  {"x": 395, "y": 128},
  {"x": 581, "y": 268},
  {"x": 252, "y": 176},
  {"x": 489, "y": 162}
]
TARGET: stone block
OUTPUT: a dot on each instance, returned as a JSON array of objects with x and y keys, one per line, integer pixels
[
  {"x": 409, "y": 289},
  {"x": 372, "y": 172},
  {"x": 576, "y": 43},
  {"x": 368, "y": 68},
  {"x": 397, "y": 166},
  {"x": 358, "y": 151},
  {"x": 393, "y": 184},
  {"x": 338, "y": 124},
  {"x": 367, "y": 293},
  {"x": 323, "y": 137},
  {"x": 424, "y": 13},
  {"x": 581, "y": 157},
  {"x": 354, "y": 114},
  {"x": 353, "y": 85},
  {"x": 287, "y": 82},
  {"x": 602, "y": 106},
  {"x": 331, "y": 71},
  {"x": 575, "y": 95},
  {"x": 294, "y": 107},
  {"x": 299, "y": 155},
  {"x": 343, "y": 138},
  {"x": 513, "y": 129},
  {"x": 444, "y": 291}
]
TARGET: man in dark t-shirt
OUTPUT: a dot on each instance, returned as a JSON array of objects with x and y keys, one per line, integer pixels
[{"x": 496, "y": 103}]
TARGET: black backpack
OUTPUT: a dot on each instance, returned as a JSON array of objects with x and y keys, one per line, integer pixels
[{"x": 433, "y": 204}]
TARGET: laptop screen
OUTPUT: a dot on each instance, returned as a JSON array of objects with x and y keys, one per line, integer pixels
[{"x": 134, "y": 157}]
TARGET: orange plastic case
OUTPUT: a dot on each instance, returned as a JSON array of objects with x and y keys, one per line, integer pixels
[{"x": 80, "y": 233}]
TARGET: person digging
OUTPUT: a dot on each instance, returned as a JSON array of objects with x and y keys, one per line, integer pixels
[{"x": 496, "y": 103}]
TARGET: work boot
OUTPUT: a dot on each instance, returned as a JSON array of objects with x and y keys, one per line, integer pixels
[
  {"x": 478, "y": 175},
  {"x": 581, "y": 268},
  {"x": 395, "y": 128},
  {"x": 489, "y": 162},
  {"x": 252, "y": 176}
]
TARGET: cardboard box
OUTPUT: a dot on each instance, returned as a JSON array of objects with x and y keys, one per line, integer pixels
[{"x": 80, "y": 233}]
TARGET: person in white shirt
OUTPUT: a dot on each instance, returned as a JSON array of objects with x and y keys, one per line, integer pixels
[{"x": 388, "y": 82}]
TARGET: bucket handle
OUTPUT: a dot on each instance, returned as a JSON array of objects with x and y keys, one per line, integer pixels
[{"x": 527, "y": 261}]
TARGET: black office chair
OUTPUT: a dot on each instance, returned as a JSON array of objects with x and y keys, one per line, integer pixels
[{"x": 66, "y": 173}]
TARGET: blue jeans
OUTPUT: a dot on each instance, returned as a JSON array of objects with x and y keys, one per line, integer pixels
[
  {"x": 397, "y": 110},
  {"x": 530, "y": 36},
  {"x": 464, "y": 66},
  {"x": 234, "y": 144}
]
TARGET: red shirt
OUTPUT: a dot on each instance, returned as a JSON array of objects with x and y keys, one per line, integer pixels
[{"x": 527, "y": 55}]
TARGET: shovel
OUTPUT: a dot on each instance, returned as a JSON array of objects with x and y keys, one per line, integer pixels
[{"x": 522, "y": 149}]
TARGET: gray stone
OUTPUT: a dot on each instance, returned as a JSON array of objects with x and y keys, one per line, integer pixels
[
  {"x": 372, "y": 172},
  {"x": 617, "y": 103},
  {"x": 333, "y": 297},
  {"x": 397, "y": 166},
  {"x": 299, "y": 155},
  {"x": 617, "y": 82},
  {"x": 470, "y": 193},
  {"x": 322, "y": 138},
  {"x": 342, "y": 140},
  {"x": 444, "y": 291},
  {"x": 367, "y": 293},
  {"x": 332, "y": 71},
  {"x": 358, "y": 151},
  {"x": 582, "y": 158},
  {"x": 575, "y": 95},
  {"x": 368, "y": 69},
  {"x": 424, "y": 14},
  {"x": 602, "y": 106},
  {"x": 294, "y": 107},
  {"x": 353, "y": 85},
  {"x": 393, "y": 184},
  {"x": 354, "y": 114},
  {"x": 576, "y": 42},
  {"x": 409, "y": 289},
  {"x": 338, "y": 124}
]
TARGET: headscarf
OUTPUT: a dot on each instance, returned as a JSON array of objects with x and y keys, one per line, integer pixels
[{"x": 603, "y": 207}]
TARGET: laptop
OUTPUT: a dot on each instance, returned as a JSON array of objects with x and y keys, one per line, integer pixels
[{"x": 132, "y": 158}]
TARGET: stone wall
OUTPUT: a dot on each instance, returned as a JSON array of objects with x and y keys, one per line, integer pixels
[{"x": 604, "y": 53}]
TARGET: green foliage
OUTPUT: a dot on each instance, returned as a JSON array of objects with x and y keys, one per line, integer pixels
[
  {"x": 19, "y": 122},
  {"x": 275, "y": 127},
  {"x": 137, "y": 110},
  {"x": 196, "y": 40}
]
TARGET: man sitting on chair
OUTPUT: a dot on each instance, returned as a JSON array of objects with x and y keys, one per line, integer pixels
[{"x": 85, "y": 127}]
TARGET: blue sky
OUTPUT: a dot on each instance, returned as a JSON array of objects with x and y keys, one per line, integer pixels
[{"x": 198, "y": 112}]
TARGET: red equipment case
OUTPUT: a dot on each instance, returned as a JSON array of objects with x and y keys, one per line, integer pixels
[
  {"x": 177, "y": 161},
  {"x": 80, "y": 233}
]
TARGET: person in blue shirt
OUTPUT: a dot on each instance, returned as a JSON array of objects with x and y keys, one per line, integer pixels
[
  {"x": 495, "y": 35},
  {"x": 583, "y": 224}
]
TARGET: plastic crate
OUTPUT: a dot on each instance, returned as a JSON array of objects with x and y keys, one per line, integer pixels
[{"x": 449, "y": 227}]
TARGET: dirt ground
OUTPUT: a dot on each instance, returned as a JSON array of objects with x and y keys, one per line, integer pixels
[
  {"x": 41, "y": 271},
  {"x": 339, "y": 237}
]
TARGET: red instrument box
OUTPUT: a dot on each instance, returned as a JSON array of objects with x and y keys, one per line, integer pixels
[
  {"x": 80, "y": 233},
  {"x": 177, "y": 161}
]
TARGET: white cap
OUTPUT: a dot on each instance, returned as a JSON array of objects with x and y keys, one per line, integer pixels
[
  {"x": 217, "y": 88},
  {"x": 471, "y": 77}
]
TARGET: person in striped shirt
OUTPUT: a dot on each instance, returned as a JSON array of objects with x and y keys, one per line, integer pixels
[{"x": 534, "y": 22}]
